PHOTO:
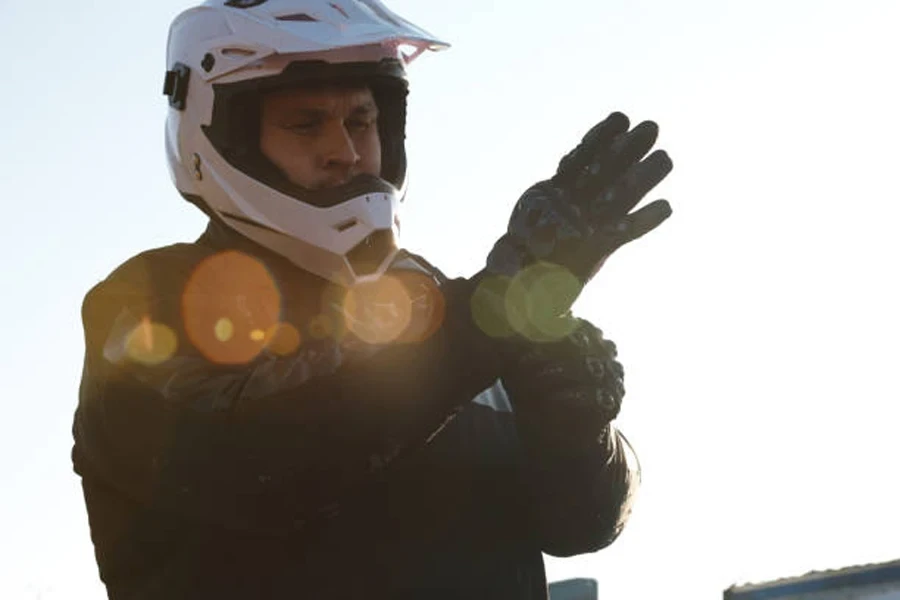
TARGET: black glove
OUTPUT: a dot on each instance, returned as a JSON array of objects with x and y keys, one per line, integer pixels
[
  {"x": 566, "y": 393},
  {"x": 580, "y": 216}
]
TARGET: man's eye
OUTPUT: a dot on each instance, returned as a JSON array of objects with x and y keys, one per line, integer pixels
[
  {"x": 302, "y": 128},
  {"x": 359, "y": 125}
]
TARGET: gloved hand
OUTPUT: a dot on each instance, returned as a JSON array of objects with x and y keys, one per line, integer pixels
[
  {"x": 567, "y": 392},
  {"x": 563, "y": 229},
  {"x": 581, "y": 215}
]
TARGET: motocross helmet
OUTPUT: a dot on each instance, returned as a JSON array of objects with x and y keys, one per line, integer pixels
[{"x": 222, "y": 56}]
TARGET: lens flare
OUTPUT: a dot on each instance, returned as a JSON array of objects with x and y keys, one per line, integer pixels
[
  {"x": 536, "y": 299},
  {"x": 283, "y": 339},
  {"x": 228, "y": 298},
  {"x": 151, "y": 343},
  {"x": 321, "y": 327},
  {"x": 427, "y": 305},
  {"x": 224, "y": 329},
  {"x": 330, "y": 322},
  {"x": 378, "y": 312},
  {"x": 489, "y": 307}
]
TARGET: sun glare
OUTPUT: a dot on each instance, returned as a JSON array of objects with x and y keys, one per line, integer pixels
[
  {"x": 228, "y": 304},
  {"x": 150, "y": 343},
  {"x": 378, "y": 312},
  {"x": 529, "y": 304}
]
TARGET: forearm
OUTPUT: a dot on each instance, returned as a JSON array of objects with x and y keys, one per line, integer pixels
[
  {"x": 221, "y": 445},
  {"x": 582, "y": 501},
  {"x": 582, "y": 474}
]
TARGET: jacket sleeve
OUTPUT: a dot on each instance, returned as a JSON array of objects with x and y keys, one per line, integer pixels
[
  {"x": 582, "y": 502},
  {"x": 254, "y": 447},
  {"x": 580, "y": 472}
]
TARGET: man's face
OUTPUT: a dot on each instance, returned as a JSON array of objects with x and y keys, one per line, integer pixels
[{"x": 322, "y": 137}]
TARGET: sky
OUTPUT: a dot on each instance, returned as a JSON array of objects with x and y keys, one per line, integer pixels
[{"x": 757, "y": 326}]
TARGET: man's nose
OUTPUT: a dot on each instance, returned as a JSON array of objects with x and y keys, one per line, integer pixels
[{"x": 340, "y": 149}]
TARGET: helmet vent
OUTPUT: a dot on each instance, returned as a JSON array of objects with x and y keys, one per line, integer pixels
[
  {"x": 302, "y": 17},
  {"x": 345, "y": 225},
  {"x": 237, "y": 52},
  {"x": 244, "y": 3}
]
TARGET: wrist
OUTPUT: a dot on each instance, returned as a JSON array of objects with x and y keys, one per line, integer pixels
[{"x": 481, "y": 351}]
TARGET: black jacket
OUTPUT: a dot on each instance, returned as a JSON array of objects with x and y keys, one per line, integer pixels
[{"x": 326, "y": 470}]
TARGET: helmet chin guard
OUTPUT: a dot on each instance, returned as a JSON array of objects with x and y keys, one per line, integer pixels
[{"x": 222, "y": 56}]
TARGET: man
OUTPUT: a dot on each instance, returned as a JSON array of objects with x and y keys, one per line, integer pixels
[{"x": 291, "y": 407}]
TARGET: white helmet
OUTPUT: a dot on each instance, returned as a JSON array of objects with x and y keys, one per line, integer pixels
[{"x": 221, "y": 55}]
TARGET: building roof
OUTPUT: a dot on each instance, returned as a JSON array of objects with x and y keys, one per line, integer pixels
[{"x": 818, "y": 581}]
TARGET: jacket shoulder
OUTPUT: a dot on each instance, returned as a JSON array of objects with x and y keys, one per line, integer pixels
[
  {"x": 146, "y": 284},
  {"x": 151, "y": 266}
]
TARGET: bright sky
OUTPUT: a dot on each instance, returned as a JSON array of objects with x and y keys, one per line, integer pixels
[{"x": 758, "y": 326}]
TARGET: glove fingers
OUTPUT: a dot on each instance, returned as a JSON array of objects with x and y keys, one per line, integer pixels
[
  {"x": 594, "y": 141},
  {"x": 637, "y": 224},
  {"x": 579, "y": 369},
  {"x": 618, "y": 200},
  {"x": 634, "y": 145},
  {"x": 609, "y": 239},
  {"x": 612, "y": 161},
  {"x": 645, "y": 220},
  {"x": 576, "y": 381},
  {"x": 582, "y": 340}
]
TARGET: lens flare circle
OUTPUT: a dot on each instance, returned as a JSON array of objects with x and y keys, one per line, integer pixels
[
  {"x": 228, "y": 297},
  {"x": 428, "y": 307},
  {"x": 224, "y": 329},
  {"x": 282, "y": 339},
  {"x": 151, "y": 343},
  {"x": 321, "y": 327},
  {"x": 378, "y": 312},
  {"x": 537, "y": 299},
  {"x": 488, "y": 307}
]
